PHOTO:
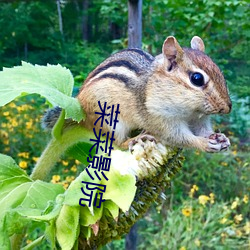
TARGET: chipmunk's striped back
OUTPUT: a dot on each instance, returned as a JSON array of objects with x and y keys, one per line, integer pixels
[{"x": 123, "y": 66}]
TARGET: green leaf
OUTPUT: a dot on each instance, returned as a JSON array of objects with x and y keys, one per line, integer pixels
[
  {"x": 14, "y": 223},
  {"x": 86, "y": 232},
  {"x": 45, "y": 217},
  {"x": 9, "y": 184},
  {"x": 87, "y": 218},
  {"x": 112, "y": 208},
  {"x": 39, "y": 194},
  {"x": 34, "y": 243},
  {"x": 67, "y": 226},
  {"x": 14, "y": 198},
  {"x": 73, "y": 194},
  {"x": 9, "y": 168},
  {"x": 4, "y": 240},
  {"x": 28, "y": 201},
  {"x": 120, "y": 189},
  {"x": 53, "y": 82},
  {"x": 20, "y": 197},
  {"x": 50, "y": 234},
  {"x": 80, "y": 151}
]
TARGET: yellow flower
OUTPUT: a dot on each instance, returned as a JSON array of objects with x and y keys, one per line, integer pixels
[
  {"x": 24, "y": 107},
  {"x": 4, "y": 134},
  {"x": 223, "y": 235},
  {"x": 224, "y": 164},
  {"x": 235, "y": 203},
  {"x": 203, "y": 199},
  {"x": 73, "y": 168},
  {"x": 14, "y": 123},
  {"x": 77, "y": 162},
  {"x": 6, "y": 141},
  {"x": 65, "y": 185},
  {"x": 70, "y": 178},
  {"x": 183, "y": 248},
  {"x": 23, "y": 164},
  {"x": 245, "y": 199},
  {"x": 247, "y": 227},
  {"x": 238, "y": 159},
  {"x": 238, "y": 233},
  {"x": 65, "y": 163},
  {"x": 197, "y": 242},
  {"x": 193, "y": 190},
  {"x": 12, "y": 105},
  {"x": 55, "y": 178},
  {"x": 24, "y": 154},
  {"x": 6, "y": 149},
  {"x": 35, "y": 159},
  {"x": 223, "y": 220},
  {"x": 29, "y": 124},
  {"x": 211, "y": 195},
  {"x": 234, "y": 152},
  {"x": 187, "y": 211},
  {"x": 6, "y": 113},
  {"x": 238, "y": 218}
]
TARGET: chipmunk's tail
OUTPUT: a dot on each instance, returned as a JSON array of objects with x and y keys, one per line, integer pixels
[{"x": 50, "y": 117}]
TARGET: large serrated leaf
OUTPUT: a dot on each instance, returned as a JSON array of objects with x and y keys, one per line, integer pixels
[
  {"x": 14, "y": 198},
  {"x": 9, "y": 168},
  {"x": 53, "y": 82},
  {"x": 39, "y": 194},
  {"x": 21, "y": 197},
  {"x": 9, "y": 184}
]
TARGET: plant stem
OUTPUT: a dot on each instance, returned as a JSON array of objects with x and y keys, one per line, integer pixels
[{"x": 56, "y": 147}]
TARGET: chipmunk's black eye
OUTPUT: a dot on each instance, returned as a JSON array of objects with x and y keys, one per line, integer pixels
[{"x": 197, "y": 79}]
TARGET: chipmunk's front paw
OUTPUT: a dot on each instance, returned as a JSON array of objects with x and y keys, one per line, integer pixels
[
  {"x": 218, "y": 142},
  {"x": 141, "y": 139}
]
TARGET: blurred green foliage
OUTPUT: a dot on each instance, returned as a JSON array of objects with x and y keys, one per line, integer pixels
[{"x": 30, "y": 32}]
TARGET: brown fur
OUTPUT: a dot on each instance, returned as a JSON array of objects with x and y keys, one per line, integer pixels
[{"x": 156, "y": 95}]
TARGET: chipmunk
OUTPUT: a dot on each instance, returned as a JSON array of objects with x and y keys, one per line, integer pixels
[{"x": 169, "y": 97}]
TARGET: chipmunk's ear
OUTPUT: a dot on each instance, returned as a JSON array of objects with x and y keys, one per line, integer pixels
[
  {"x": 197, "y": 43},
  {"x": 171, "y": 49}
]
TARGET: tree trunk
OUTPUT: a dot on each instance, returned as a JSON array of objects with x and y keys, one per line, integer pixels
[
  {"x": 135, "y": 23},
  {"x": 131, "y": 238},
  {"x": 85, "y": 21},
  {"x": 59, "y": 16},
  {"x": 134, "y": 41}
]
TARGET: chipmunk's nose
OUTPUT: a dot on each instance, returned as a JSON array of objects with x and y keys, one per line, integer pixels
[{"x": 227, "y": 108}]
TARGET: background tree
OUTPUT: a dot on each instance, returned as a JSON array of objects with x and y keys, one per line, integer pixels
[
  {"x": 30, "y": 31},
  {"x": 135, "y": 23}
]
